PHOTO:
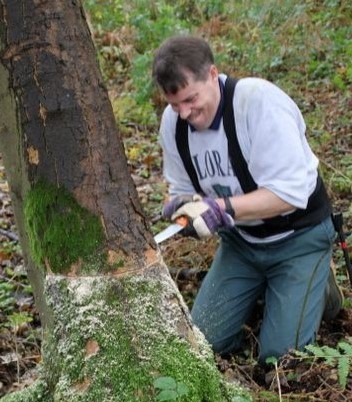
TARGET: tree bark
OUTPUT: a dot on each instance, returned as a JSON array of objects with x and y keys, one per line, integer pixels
[{"x": 114, "y": 319}]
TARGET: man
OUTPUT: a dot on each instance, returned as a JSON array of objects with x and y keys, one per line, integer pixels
[{"x": 260, "y": 192}]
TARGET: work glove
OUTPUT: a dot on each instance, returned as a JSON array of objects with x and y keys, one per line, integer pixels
[
  {"x": 172, "y": 206},
  {"x": 205, "y": 216}
]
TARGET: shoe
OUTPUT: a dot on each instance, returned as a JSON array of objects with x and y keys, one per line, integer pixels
[{"x": 334, "y": 298}]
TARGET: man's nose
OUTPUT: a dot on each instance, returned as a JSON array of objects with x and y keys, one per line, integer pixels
[{"x": 184, "y": 111}]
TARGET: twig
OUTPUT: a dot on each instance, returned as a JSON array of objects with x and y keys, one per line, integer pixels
[
  {"x": 332, "y": 388},
  {"x": 298, "y": 397},
  {"x": 278, "y": 381},
  {"x": 248, "y": 377}
]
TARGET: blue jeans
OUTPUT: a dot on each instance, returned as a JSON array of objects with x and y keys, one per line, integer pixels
[{"x": 292, "y": 275}]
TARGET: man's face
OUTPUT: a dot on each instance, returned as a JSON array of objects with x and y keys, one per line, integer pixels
[{"x": 198, "y": 101}]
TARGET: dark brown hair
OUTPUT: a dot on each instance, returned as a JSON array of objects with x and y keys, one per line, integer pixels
[{"x": 178, "y": 56}]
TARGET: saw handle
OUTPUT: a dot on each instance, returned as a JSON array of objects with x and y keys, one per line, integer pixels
[
  {"x": 182, "y": 220},
  {"x": 188, "y": 229}
]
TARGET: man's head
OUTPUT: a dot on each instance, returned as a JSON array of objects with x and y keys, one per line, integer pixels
[
  {"x": 184, "y": 69},
  {"x": 178, "y": 57}
]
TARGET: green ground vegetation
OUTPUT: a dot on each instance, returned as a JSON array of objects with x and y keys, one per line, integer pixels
[{"x": 304, "y": 46}]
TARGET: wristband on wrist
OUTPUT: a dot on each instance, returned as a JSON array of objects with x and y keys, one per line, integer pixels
[{"x": 228, "y": 207}]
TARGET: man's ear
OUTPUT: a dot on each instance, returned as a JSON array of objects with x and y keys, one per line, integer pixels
[{"x": 214, "y": 73}]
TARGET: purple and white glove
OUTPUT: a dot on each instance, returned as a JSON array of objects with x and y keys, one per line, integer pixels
[
  {"x": 172, "y": 206},
  {"x": 205, "y": 216}
]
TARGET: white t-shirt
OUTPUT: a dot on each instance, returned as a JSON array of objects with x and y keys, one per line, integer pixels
[{"x": 271, "y": 133}]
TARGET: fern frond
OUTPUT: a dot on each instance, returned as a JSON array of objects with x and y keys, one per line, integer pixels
[
  {"x": 331, "y": 355},
  {"x": 321, "y": 352},
  {"x": 301, "y": 353},
  {"x": 345, "y": 347},
  {"x": 341, "y": 358},
  {"x": 343, "y": 368}
]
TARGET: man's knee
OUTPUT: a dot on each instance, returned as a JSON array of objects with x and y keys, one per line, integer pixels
[
  {"x": 275, "y": 347},
  {"x": 221, "y": 339}
]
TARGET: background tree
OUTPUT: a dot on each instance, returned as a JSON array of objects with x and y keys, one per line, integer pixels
[{"x": 114, "y": 320}]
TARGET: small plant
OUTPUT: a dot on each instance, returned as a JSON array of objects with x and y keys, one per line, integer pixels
[
  {"x": 16, "y": 320},
  {"x": 169, "y": 389},
  {"x": 339, "y": 357},
  {"x": 6, "y": 295}
]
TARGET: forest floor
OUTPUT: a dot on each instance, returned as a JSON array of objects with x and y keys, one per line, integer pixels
[
  {"x": 294, "y": 378},
  {"x": 305, "y": 48}
]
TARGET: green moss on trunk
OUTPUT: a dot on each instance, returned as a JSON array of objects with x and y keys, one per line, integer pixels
[
  {"x": 113, "y": 337},
  {"x": 60, "y": 231}
]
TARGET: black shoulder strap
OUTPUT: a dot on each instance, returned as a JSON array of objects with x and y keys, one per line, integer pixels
[
  {"x": 238, "y": 163},
  {"x": 318, "y": 207},
  {"x": 183, "y": 150}
]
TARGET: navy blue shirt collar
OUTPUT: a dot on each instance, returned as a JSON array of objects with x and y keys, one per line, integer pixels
[{"x": 218, "y": 115}]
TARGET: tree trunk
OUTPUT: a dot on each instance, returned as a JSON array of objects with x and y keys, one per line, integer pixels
[{"x": 114, "y": 320}]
